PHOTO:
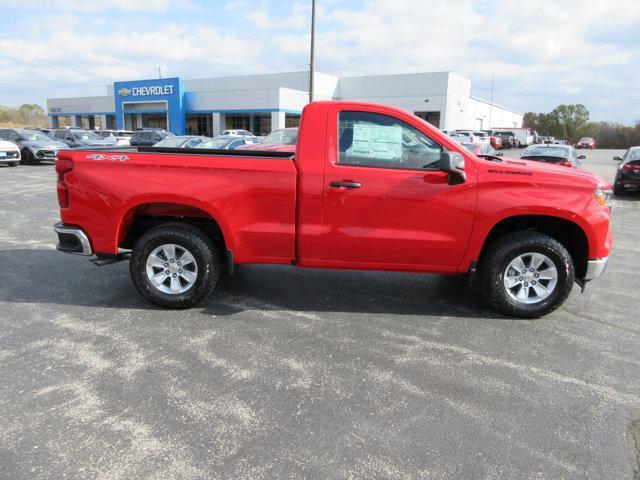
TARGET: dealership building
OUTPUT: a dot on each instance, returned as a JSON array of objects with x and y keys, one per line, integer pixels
[{"x": 265, "y": 102}]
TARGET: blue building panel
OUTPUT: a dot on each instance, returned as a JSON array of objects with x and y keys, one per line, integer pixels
[{"x": 168, "y": 90}]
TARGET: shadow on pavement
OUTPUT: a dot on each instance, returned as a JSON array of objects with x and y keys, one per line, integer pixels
[{"x": 48, "y": 276}]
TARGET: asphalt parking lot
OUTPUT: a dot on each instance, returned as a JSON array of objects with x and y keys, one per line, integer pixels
[{"x": 307, "y": 374}]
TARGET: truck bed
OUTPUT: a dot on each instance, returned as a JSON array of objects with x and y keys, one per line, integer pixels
[{"x": 253, "y": 200}]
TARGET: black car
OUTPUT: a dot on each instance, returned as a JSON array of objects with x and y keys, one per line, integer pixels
[
  {"x": 564, "y": 155},
  {"x": 628, "y": 173},
  {"x": 148, "y": 138}
]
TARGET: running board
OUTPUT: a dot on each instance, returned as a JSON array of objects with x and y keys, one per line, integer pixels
[{"x": 103, "y": 260}]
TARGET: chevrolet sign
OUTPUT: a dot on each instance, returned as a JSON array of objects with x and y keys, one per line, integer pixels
[{"x": 147, "y": 91}]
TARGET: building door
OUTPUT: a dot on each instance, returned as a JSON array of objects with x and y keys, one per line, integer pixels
[
  {"x": 156, "y": 120},
  {"x": 432, "y": 117}
]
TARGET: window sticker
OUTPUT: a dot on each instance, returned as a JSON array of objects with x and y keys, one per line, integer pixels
[{"x": 377, "y": 141}]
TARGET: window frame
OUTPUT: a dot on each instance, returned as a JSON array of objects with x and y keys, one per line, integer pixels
[{"x": 383, "y": 167}]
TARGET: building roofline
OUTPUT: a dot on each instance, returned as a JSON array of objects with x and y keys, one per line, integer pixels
[{"x": 495, "y": 105}]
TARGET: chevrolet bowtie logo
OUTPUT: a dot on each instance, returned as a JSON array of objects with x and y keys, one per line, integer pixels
[{"x": 123, "y": 92}]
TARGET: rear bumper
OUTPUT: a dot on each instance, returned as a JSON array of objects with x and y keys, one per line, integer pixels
[
  {"x": 595, "y": 268},
  {"x": 72, "y": 240}
]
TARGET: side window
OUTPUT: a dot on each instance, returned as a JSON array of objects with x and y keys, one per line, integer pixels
[{"x": 376, "y": 140}]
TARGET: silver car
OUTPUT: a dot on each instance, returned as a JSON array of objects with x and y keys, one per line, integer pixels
[
  {"x": 81, "y": 138},
  {"x": 35, "y": 146}
]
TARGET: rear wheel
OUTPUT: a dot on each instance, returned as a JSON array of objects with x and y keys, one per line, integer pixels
[
  {"x": 527, "y": 274},
  {"x": 175, "y": 265},
  {"x": 618, "y": 189}
]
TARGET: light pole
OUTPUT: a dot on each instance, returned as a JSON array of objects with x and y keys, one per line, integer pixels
[{"x": 313, "y": 49}]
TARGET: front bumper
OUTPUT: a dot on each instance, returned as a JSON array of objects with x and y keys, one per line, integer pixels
[
  {"x": 595, "y": 268},
  {"x": 72, "y": 240}
]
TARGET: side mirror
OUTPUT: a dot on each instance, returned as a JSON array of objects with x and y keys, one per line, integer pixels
[
  {"x": 453, "y": 164},
  {"x": 582, "y": 157},
  {"x": 499, "y": 154},
  {"x": 617, "y": 159}
]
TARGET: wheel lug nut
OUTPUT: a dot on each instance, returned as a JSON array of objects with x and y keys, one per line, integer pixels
[
  {"x": 167, "y": 272},
  {"x": 520, "y": 278},
  {"x": 180, "y": 271},
  {"x": 174, "y": 275},
  {"x": 536, "y": 275},
  {"x": 524, "y": 271},
  {"x": 526, "y": 284},
  {"x": 166, "y": 265},
  {"x": 178, "y": 263},
  {"x": 172, "y": 260},
  {"x": 533, "y": 283},
  {"x": 531, "y": 269}
]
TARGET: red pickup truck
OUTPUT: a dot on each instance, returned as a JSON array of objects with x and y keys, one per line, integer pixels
[{"x": 368, "y": 187}]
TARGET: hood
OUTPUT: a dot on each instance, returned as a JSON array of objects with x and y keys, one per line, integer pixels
[
  {"x": 52, "y": 144},
  {"x": 4, "y": 146},
  {"x": 571, "y": 174}
]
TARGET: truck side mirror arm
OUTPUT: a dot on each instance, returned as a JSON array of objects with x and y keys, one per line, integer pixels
[{"x": 453, "y": 164}]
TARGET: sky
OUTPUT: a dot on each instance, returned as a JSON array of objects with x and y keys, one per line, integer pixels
[{"x": 542, "y": 53}]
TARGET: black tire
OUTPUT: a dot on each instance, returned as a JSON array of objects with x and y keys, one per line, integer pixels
[
  {"x": 28, "y": 158},
  {"x": 494, "y": 264},
  {"x": 207, "y": 258},
  {"x": 618, "y": 189},
  {"x": 13, "y": 164}
]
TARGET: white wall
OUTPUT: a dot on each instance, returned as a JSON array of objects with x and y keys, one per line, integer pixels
[{"x": 492, "y": 116}]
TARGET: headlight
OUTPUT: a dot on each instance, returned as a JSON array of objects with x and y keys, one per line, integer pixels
[{"x": 602, "y": 196}]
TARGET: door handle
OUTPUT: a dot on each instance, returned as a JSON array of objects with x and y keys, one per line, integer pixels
[{"x": 345, "y": 184}]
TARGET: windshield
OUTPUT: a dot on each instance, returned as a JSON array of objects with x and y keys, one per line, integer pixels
[
  {"x": 469, "y": 146},
  {"x": 555, "y": 152},
  {"x": 86, "y": 136},
  {"x": 586, "y": 140},
  {"x": 282, "y": 137},
  {"x": 172, "y": 142},
  {"x": 634, "y": 154},
  {"x": 34, "y": 136},
  {"x": 216, "y": 143}
]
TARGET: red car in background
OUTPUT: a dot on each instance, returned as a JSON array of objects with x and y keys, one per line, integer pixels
[
  {"x": 496, "y": 142},
  {"x": 283, "y": 140},
  {"x": 586, "y": 142}
]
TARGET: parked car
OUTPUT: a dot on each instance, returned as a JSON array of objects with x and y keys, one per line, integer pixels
[
  {"x": 495, "y": 142},
  {"x": 370, "y": 187},
  {"x": 148, "y": 138},
  {"x": 74, "y": 138},
  {"x": 283, "y": 140},
  {"x": 118, "y": 138},
  {"x": 564, "y": 155},
  {"x": 237, "y": 133},
  {"x": 181, "y": 141},
  {"x": 470, "y": 136},
  {"x": 628, "y": 173},
  {"x": 523, "y": 136},
  {"x": 9, "y": 153},
  {"x": 35, "y": 146},
  {"x": 481, "y": 149},
  {"x": 227, "y": 142},
  {"x": 586, "y": 142},
  {"x": 507, "y": 139}
]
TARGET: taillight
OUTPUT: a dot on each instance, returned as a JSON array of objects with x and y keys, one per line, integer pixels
[
  {"x": 63, "y": 166},
  {"x": 630, "y": 166}
]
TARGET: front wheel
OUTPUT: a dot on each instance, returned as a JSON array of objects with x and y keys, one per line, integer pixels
[
  {"x": 175, "y": 266},
  {"x": 13, "y": 164},
  {"x": 527, "y": 274},
  {"x": 28, "y": 157}
]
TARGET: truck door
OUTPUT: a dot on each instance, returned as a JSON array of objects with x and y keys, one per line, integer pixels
[{"x": 386, "y": 204}]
